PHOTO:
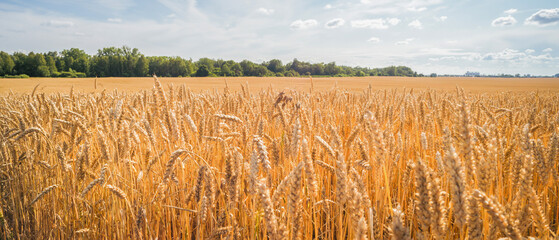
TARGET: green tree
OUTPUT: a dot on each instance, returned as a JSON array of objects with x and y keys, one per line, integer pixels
[
  {"x": 360, "y": 74},
  {"x": 7, "y": 65},
  {"x": 331, "y": 69},
  {"x": 236, "y": 69},
  {"x": 43, "y": 71},
  {"x": 100, "y": 66},
  {"x": 261, "y": 71},
  {"x": 128, "y": 62},
  {"x": 291, "y": 73},
  {"x": 68, "y": 63},
  {"x": 225, "y": 70},
  {"x": 142, "y": 67},
  {"x": 32, "y": 63},
  {"x": 51, "y": 64},
  {"x": 391, "y": 71},
  {"x": 317, "y": 69},
  {"x": 248, "y": 68},
  {"x": 202, "y": 71},
  {"x": 209, "y": 63},
  {"x": 19, "y": 63},
  {"x": 177, "y": 67},
  {"x": 275, "y": 66}
]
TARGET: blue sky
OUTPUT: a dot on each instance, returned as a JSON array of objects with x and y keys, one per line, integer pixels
[{"x": 441, "y": 36}]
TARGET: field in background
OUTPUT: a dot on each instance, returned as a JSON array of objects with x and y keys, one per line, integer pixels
[
  {"x": 50, "y": 85},
  {"x": 170, "y": 163}
]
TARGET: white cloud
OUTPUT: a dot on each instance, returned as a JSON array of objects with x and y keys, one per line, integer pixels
[
  {"x": 374, "y": 40},
  {"x": 393, "y": 21},
  {"x": 444, "y": 58},
  {"x": 115, "y": 20},
  {"x": 544, "y": 17},
  {"x": 265, "y": 11},
  {"x": 377, "y": 23},
  {"x": 183, "y": 8},
  {"x": 547, "y": 50},
  {"x": 416, "y": 9},
  {"x": 442, "y": 18},
  {"x": 416, "y": 24},
  {"x": 529, "y": 51},
  {"x": 503, "y": 21},
  {"x": 335, "y": 23},
  {"x": 507, "y": 54},
  {"x": 404, "y": 42},
  {"x": 511, "y": 11},
  {"x": 328, "y": 6},
  {"x": 58, "y": 23},
  {"x": 303, "y": 24},
  {"x": 512, "y": 55},
  {"x": 546, "y": 57}
]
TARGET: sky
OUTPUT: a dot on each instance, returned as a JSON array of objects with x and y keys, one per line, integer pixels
[{"x": 430, "y": 36}]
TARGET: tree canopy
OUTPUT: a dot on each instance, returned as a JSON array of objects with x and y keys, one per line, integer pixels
[{"x": 130, "y": 62}]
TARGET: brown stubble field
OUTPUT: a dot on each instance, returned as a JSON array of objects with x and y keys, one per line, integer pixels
[
  {"x": 279, "y": 158},
  {"x": 51, "y": 85}
]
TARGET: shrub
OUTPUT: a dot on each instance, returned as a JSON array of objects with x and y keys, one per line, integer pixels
[{"x": 17, "y": 76}]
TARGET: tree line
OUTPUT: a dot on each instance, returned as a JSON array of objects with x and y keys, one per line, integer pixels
[{"x": 128, "y": 62}]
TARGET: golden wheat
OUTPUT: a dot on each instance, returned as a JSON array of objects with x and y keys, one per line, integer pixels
[{"x": 170, "y": 163}]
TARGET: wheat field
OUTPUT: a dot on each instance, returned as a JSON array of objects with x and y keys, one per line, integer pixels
[
  {"x": 351, "y": 84},
  {"x": 171, "y": 163}
]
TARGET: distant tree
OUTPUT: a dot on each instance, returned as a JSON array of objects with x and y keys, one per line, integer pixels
[
  {"x": 275, "y": 66},
  {"x": 31, "y": 64},
  {"x": 391, "y": 71},
  {"x": 236, "y": 69},
  {"x": 291, "y": 73},
  {"x": 331, "y": 69},
  {"x": 261, "y": 71},
  {"x": 99, "y": 66},
  {"x": 295, "y": 65},
  {"x": 76, "y": 59},
  {"x": 51, "y": 64},
  {"x": 248, "y": 68},
  {"x": 202, "y": 71},
  {"x": 142, "y": 67},
  {"x": 19, "y": 63},
  {"x": 129, "y": 62},
  {"x": 177, "y": 67},
  {"x": 43, "y": 71},
  {"x": 225, "y": 70},
  {"x": 317, "y": 69},
  {"x": 7, "y": 65},
  {"x": 209, "y": 63},
  {"x": 433, "y": 75},
  {"x": 190, "y": 67}
]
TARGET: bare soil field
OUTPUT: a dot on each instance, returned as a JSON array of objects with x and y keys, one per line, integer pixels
[{"x": 50, "y": 85}]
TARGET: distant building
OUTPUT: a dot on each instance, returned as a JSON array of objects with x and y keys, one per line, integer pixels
[{"x": 472, "y": 74}]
